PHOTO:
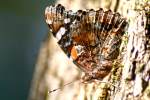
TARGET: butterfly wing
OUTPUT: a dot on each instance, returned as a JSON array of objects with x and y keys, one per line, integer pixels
[{"x": 90, "y": 38}]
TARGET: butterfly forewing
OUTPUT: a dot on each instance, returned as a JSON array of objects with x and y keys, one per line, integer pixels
[{"x": 90, "y": 38}]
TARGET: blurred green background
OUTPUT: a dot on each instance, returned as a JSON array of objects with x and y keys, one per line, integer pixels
[{"x": 22, "y": 29}]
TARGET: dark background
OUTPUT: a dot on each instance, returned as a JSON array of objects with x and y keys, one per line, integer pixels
[{"x": 22, "y": 29}]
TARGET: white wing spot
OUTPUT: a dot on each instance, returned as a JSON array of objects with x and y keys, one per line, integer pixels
[{"x": 60, "y": 33}]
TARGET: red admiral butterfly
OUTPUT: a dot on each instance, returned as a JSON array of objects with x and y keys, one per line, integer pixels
[{"x": 91, "y": 38}]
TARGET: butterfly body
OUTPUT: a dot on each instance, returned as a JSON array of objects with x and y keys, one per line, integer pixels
[{"x": 90, "y": 38}]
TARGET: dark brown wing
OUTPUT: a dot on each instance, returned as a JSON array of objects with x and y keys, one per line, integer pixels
[{"x": 91, "y": 38}]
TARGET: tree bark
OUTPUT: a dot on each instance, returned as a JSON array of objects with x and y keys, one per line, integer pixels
[{"x": 135, "y": 79}]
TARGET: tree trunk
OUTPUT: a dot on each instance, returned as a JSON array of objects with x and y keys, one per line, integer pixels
[
  {"x": 135, "y": 79},
  {"x": 130, "y": 76}
]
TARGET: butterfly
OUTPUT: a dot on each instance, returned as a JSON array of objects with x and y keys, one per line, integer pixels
[{"x": 91, "y": 38}]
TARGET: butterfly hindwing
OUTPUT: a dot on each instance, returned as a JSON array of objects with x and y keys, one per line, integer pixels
[{"x": 90, "y": 38}]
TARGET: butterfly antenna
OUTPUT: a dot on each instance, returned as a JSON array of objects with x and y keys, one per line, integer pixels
[{"x": 51, "y": 91}]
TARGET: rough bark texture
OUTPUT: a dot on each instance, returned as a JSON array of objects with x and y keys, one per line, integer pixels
[
  {"x": 130, "y": 76},
  {"x": 136, "y": 71}
]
